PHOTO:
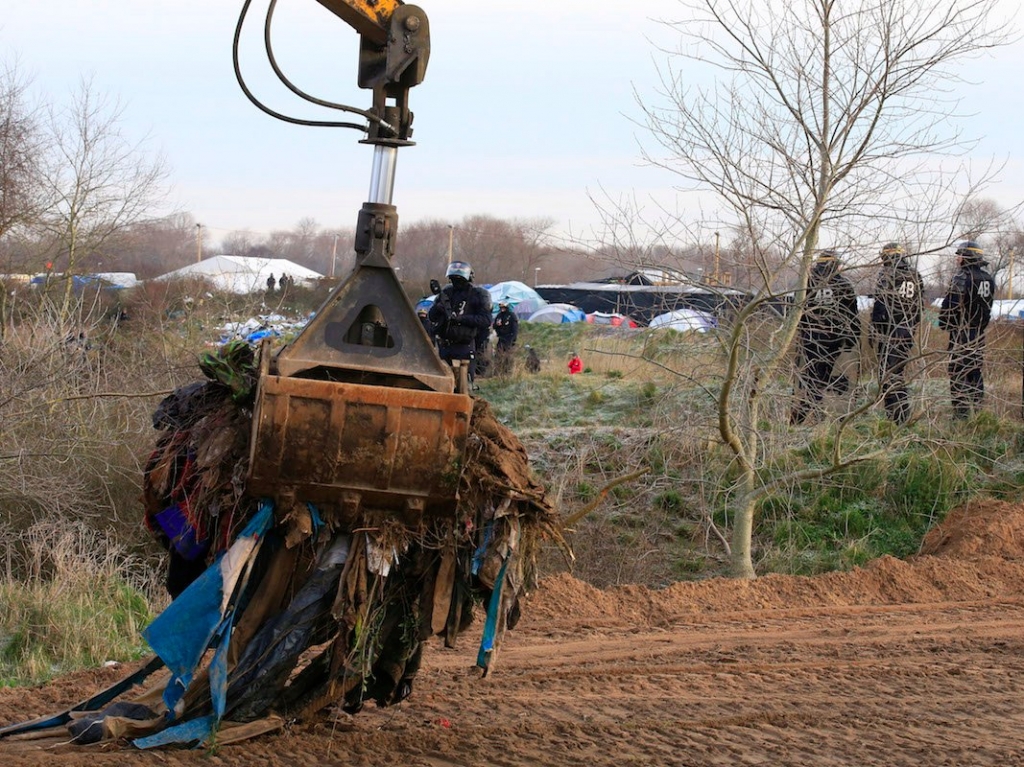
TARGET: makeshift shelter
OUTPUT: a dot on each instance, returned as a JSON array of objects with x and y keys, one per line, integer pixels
[
  {"x": 685, "y": 320},
  {"x": 558, "y": 313},
  {"x": 522, "y": 299},
  {"x": 614, "y": 319},
  {"x": 79, "y": 282},
  {"x": 242, "y": 274},
  {"x": 643, "y": 301}
]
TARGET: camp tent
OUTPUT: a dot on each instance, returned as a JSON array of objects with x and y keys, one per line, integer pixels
[
  {"x": 614, "y": 319},
  {"x": 557, "y": 313},
  {"x": 242, "y": 274},
  {"x": 522, "y": 299},
  {"x": 684, "y": 320}
]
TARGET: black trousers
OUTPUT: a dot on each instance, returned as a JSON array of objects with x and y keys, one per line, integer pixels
[
  {"x": 894, "y": 350},
  {"x": 966, "y": 379},
  {"x": 818, "y": 357}
]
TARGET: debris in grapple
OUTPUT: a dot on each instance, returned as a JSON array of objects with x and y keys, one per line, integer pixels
[{"x": 279, "y": 613}]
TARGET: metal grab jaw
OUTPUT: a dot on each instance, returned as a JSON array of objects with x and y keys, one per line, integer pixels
[{"x": 358, "y": 414}]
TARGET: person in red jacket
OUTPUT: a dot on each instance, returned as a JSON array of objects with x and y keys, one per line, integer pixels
[{"x": 575, "y": 364}]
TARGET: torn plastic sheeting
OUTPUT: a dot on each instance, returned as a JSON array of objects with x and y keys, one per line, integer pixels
[
  {"x": 269, "y": 658},
  {"x": 379, "y": 560},
  {"x": 195, "y": 731},
  {"x": 94, "y": 703},
  {"x": 183, "y": 632}
]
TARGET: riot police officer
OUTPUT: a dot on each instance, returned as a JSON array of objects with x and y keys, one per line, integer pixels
[
  {"x": 828, "y": 326},
  {"x": 460, "y": 313},
  {"x": 895, "y": 315},
  {"x": 966, "y": 310}
]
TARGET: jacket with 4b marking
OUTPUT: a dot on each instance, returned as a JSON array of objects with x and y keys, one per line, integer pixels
[
  {"x": 830, "y": 309},
  {"x": 899, "y": 298},
  {"x": 967, "y": 306}
]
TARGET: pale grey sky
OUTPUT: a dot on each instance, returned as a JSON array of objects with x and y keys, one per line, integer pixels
[{"x": 524, "y": 111}]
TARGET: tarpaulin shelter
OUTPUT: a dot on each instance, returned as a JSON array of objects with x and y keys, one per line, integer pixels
[
  {"x": 558, "y": 313},
  {"x": 685, "y": 320},
  {"x": 521, "y": 298},
  {"x": 1008, "y": 309}
]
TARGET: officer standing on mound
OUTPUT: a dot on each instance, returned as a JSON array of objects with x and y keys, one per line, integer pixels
[
  {"x": 828, "y": 326},
  {"x": 459, "y": 313},
  {"x": 895, "y": 315},
  {"x": 966, "y": 310}
]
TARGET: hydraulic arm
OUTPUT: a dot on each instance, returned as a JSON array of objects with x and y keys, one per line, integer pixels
[{"x": 359, "y": 413}]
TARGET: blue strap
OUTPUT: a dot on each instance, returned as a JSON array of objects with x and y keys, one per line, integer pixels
[
  {"x": 481, "y": 552},
  {"x": 483, "y": 658}
]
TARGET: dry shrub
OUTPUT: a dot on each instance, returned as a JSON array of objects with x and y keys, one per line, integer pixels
[
  {"x": 76, "y": 399},
  {"x": 79, "y": 599},
  {"x": 648, "y": 530}
]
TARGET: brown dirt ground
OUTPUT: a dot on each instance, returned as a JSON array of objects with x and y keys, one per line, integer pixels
[{"x": 896, "y": 663}]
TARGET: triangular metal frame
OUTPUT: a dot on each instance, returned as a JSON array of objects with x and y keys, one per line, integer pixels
[{"x": 367, "y": 331}]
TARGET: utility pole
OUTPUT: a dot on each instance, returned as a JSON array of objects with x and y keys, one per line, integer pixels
[
  {"x": 1009, "y": 274},
  {"x": 451, "y": 241},
  {"x": 199, "y": 243},
  {"x": 717, "y": 274}
]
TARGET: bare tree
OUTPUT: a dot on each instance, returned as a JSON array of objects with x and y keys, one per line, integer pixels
[
  {"x": 21, "y": 141},
  {"x": 825, "y": 123},
  {"x": 96, "y": 182}
]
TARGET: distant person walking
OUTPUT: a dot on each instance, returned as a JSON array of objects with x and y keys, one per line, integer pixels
[
  {"x": 965, "y": 314},
  {"x": 271, "y": 283},
  {"x": 899, "y": 301},
  {"x": 828, "y": 325}
]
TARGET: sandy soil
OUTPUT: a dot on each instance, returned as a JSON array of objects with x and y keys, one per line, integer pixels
[{"x": 897, "y": 663}]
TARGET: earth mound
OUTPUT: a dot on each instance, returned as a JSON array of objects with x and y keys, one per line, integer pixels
[{"x": 976, "y": 552}]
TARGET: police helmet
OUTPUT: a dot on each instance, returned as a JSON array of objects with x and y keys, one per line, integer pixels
[
  {"x": 892, "y": 250},
  {"x": 969, "y": 250},
  {"x": 459, "y": 269}
]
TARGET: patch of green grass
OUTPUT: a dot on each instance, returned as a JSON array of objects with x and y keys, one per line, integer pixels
[{"x": 50, "y": 628}]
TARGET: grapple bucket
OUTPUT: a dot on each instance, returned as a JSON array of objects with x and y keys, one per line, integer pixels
[{"x": 358, "y": 414}]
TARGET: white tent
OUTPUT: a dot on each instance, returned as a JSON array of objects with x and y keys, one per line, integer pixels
[
  {"x": 1008, "y": 309},
  {"x": 242, "y": 274},
  {"x": 684, "y": 320}
]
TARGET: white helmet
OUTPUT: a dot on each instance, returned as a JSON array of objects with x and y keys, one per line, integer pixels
[{"x": 459, "y": 269}]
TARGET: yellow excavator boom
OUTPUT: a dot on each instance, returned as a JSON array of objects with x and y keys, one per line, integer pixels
[{"x": 370, "y": 18}]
